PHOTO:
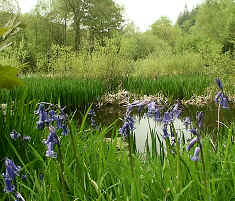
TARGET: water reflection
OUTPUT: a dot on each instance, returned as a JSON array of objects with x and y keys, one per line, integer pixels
[{"x": 144, "y": 125}]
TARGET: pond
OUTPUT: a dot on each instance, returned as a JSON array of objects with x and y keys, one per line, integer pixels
[{"x": 109, "y": 113}]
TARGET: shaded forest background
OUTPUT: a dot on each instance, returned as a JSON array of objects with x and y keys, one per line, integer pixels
[{"x": 90, "y": 38}]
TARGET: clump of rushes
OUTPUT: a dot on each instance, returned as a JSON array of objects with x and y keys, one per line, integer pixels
[
  {"x": 222, "y": 100},
  {"x": 54, "y": 122},
  {"x": 9, "y": 178}
]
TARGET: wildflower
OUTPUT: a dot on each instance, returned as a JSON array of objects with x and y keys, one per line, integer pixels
[
  {"x": 65, "y": 130},
  {"x": 187, "y": 121},
  {"x": 50, "y": 142},
  {"x": 219, "y": 83},
  {"x": 224, "y": 102},
  {"x": 175, "y": 112},
  {"x": 26, "y": 138},
  {"x": 11, "y": 169},
  {"x": 218, "y": 96},
  {"x": 127, "y": 127},
  {"x": 151, "y": 109},
  {"x": 52, "y": 115},
  {"x": 193, "y": 131},
  {"x": 9, "y": 187},
  {"x": 165, "y": 131},
  {"x": 19, "y": 197},
  {"x": 191, "y": 143},
  {"x": 157, "y": 115},
  {"x": 195, "y": 155},
  {"x": 14, "y": 135},
  {"x": 40, "y": 109},
  {"x": 140, "y": 106},
  {"x": 199, "y": 118},
  {"x": 50, "y": 153},
  {"x": 92, "y": 114},
  {"x": 167, "y": 118}
]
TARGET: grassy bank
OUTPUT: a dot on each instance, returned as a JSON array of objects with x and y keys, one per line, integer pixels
[{"x": 97, "y": 170}]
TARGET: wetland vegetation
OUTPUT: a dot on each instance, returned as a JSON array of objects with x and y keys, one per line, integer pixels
[{"x": 93, "y": 109}]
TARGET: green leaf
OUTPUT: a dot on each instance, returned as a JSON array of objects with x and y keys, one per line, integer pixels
[
  {"x": 3, "y": 31},
  {"x": 8, "y": 77}
]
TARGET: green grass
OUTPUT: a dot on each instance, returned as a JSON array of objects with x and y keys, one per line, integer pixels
[{"x": 97, "y": 170}]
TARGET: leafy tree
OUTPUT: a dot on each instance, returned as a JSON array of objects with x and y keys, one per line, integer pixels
[{"x": 8, "y": 74}]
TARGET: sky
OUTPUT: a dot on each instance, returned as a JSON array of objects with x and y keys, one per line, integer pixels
[{"x": 142, "y": 12}]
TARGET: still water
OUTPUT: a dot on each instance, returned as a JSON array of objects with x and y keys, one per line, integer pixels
[{"x": 109, "y": 113}]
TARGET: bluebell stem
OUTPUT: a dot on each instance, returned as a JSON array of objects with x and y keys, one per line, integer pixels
[
  {"x": 14, "y": 135},
  {"x": 195, "y": 155}
]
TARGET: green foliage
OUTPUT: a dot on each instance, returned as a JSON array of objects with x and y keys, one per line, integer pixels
[{"x": 8, "y": 78}]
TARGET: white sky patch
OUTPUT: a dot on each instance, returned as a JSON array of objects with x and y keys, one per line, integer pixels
[
  {"x": 27, "y": 5},
  {"x": 145, "y": 12},
  {"x": 142, "y": 12}
]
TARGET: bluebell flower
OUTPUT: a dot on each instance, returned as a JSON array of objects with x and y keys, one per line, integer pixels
[
  {"x": 167, "y": 118},
  {"x": 195, "y": 155},
  {"x": 19, "y": 197},
  {"x": 192, "y": 143},
  {"x": 151, "y": 109},
  {"x": 219, "y": 83},
  {"x": 9, "y": 187},
  {"x": 65, "y": 130},
  {"x": 40, "y": 109},
  {"x": 218, "y": 96},
  {"x": 224, "y": 102},
  {"x": 175, "y": 112},
  {"x": 14, "y": 135},
  {"x": 165, "y": 132},
  {"x": 157, "y": 115},
  {"x": 50, "y": 152},
  {"x": 128, "y": 126},
  {"x": 52, "y": 137},
  {"x": 11, "y": 169},
  {"x": 199, "y": 118},
  {"x": 26, "y": 138},
  {"x": 52, "y": 115},
  {"x": 187, "y": 121},
  {"x": 193, "y": 131},
  {"x": 140, "y": 106}
]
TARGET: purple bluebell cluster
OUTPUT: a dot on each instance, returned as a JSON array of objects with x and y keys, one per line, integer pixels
[
  {"x": 48, "y": 118},
  {"x": 54, "y": 123},
  {"x": 220, "y": 97},
  {"x": 9, "y": 178}
]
